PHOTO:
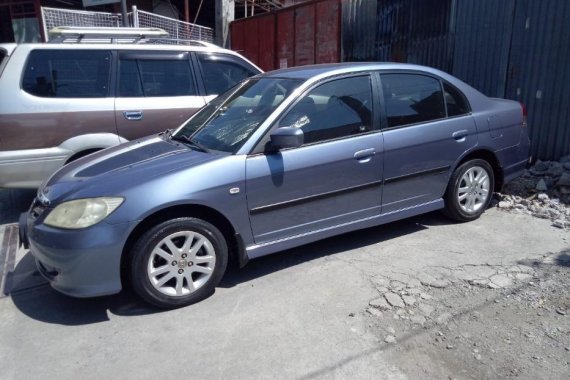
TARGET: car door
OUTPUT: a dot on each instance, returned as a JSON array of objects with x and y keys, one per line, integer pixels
[
  {"x": 428, "y": 126},
  {"x": 156, "y": 90},
  {"x": 333, "y": 178}
]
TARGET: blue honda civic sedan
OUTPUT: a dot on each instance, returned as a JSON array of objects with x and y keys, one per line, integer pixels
[{"x": 282, "y": 159}]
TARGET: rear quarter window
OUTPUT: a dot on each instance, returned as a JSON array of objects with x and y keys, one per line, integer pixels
[
  {"x": 221, "y": 72},
  {"x": 67, "y": 73}
]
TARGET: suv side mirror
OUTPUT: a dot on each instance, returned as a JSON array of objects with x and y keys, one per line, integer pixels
[{"x": 287, "y": 137}]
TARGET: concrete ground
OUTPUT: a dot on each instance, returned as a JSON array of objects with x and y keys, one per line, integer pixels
[{"x": 302, "y": 314}]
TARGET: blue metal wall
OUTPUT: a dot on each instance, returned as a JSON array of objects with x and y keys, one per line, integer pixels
[{"x": 516, "y": 49}]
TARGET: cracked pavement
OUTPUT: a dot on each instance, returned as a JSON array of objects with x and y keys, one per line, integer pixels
[{"x": 325, "y": 310}]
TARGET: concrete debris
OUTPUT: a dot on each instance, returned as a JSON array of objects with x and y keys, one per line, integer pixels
[
  {"x": 543, "y": 191},
  {"x": 394, "y": 300}
]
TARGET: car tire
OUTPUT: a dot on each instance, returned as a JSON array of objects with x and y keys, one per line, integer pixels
[
  {"x": 178, "y": 262},
  {"x": 469, "y": 191}
]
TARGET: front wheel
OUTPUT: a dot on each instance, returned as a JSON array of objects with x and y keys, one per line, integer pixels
[
  {"x": 469, "y": 190},
  {"x": 178, "y": 262}
]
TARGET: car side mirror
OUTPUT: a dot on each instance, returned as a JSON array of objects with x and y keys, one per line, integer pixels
[{"x": 286, "y": 137}]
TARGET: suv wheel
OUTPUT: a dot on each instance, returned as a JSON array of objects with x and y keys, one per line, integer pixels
[
  {"x": 469, "y": 190},
  {"x": 178, "y": 262}
]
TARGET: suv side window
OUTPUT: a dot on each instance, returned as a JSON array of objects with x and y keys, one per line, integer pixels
[
  {"x": 412, "y": 98},
  {"x": 67, "y": 73},
  {"x": 221, "y": 72},
  {"x": 150, "y": 77},
  {"x": 336, "y": 109}
]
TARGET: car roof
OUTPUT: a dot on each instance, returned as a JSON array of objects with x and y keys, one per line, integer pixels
[{"x": 328, "y": 69}]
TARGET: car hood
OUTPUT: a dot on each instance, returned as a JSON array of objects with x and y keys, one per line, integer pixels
[{"x": 112, "y": 170}]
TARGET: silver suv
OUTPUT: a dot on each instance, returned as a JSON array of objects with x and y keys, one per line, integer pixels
[{"x": 62, "y": 101}]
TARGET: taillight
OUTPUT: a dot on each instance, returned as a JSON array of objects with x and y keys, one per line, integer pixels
[{"x": 525, "y": 114}]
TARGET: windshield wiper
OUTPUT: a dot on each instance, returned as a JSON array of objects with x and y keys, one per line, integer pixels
[{"x": 188, "y": 141}]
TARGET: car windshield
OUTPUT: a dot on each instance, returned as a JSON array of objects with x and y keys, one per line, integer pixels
[{"x": 226, "y": 122}]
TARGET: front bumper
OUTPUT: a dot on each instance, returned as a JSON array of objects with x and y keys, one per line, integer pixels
[{"x": 79, "y": 263}]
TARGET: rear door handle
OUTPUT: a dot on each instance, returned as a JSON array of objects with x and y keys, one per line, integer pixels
[
  {"x": 133, "y": 115},
  {"x": 460, "y": 135},
  {"x": 365, "y": 155}
]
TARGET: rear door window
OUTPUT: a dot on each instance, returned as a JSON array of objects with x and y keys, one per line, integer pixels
[
  {"x": 3, "y": 60},
  {"x": 221, "y": 72},
  {"x": 148, "y": 75},
  {"x": 455, "y": 101},
  {"x": 412, "y": 98},
  {"x": 67, "y": 73}
]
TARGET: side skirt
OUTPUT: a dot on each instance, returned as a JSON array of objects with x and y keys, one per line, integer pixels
[{"x": 258, "y": 250}]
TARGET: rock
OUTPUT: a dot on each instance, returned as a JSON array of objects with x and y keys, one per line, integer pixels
[
  {"x": 409, "y": 300},
  {"x": 541, "y": 213},
  {"x": 394, "y": 299},
  {"x": 426, "y": 309},
  {"x": 543, "y": 197},
  {"x": 555, "y": 169},
  {"x": 390, "y": 339},
  {"x": 390, "y": 330},
  {"x": 425, "y": 296},
  {"x": 380, "y": 303},
  {"x": 374, "y": 312},
  {"x": 413, "y": 291},
  {"x": 564, "y": 180},
  {"x": 418, "y": 319},
  {"x": 449, "y": 347},
  {"x": 397, "y": 286},
  {"x": 523, "y": 276},
  {"x": 428, "y": 280},
  {"x": 478, "y": 357},
  {"x": 559, "y": 223},
  {"x": 501, "y": 280},
  {"x": 561, "y": 312},
  {"x": 351, "y": 314},
  {"x": 505, "y": 204},
  {"x": 541, "y": 185},
  {"x": 540, "y": 166},
  {"x": 443, "y": 318}
]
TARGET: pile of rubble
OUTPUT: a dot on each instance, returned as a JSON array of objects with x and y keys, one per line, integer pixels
[{"x": 542, "y": 191}]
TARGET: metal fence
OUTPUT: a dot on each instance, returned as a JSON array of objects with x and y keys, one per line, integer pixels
[{"x": 177, "y": 29}]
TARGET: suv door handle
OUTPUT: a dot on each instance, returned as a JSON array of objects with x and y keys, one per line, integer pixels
[
  {"x": 364, "y": 155},
  {"x": 133, "y": 115}
]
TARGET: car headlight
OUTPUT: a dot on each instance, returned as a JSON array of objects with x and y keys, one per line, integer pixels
[{"x": 82, "y": 213}]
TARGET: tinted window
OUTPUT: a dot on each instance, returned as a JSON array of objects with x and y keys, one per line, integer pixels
[
  {"x": 411, "y": 98},
  {"x": 155, "y": 77},
  {"x": 3, "y": 60},
  {"x": 335, "y": 109},
  {"x": 220, "y": 74},
  {"x": 67, "y": 74},
  {"x": 455, "y": 101}
]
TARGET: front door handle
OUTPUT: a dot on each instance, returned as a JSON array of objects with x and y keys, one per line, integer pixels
[
  {"x": 460, "y": 135},
  {"x": 133, "y": 115},
  {"x": 365, "y": 154}
]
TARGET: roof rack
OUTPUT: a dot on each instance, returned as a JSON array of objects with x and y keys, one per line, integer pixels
[{"x": 75, "y": 34}]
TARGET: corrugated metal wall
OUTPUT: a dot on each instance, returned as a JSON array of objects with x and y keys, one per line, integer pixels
[
  {"x": 300, "y": 35},
  {"x": 516, "y": 49}
]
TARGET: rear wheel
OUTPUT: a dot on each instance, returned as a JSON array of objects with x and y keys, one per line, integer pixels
[
  {"x": 469, "y": 190},
  {"x": 178, "y": 262}
]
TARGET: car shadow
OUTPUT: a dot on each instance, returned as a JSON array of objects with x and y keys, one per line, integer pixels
[
  {"x": 352, "y": 240},
  {"x": 33, "y": 296}
]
